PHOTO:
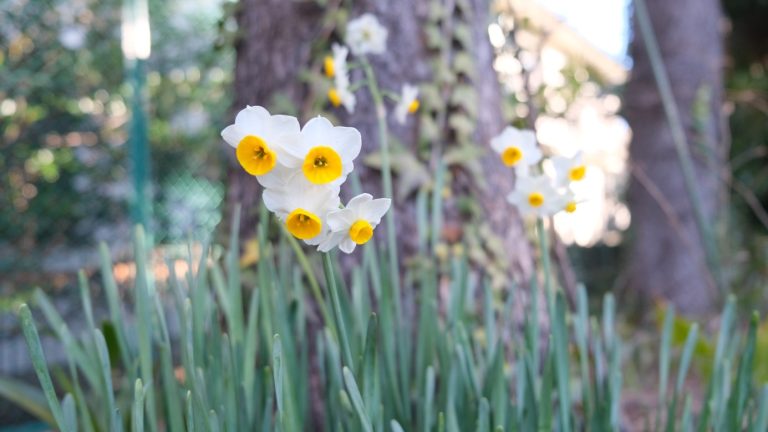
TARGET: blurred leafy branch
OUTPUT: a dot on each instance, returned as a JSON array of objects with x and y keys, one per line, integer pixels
[{"x": 63, "y": 107}]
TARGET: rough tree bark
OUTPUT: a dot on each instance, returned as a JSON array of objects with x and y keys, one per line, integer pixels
[
  {"x": 274, "y": 47},
  {"x": 667, "y": 253}
]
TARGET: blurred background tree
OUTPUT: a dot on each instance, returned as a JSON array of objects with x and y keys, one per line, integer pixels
[
  {"x": 717, "y": 71},
  {"x": 677, "y": 165}
]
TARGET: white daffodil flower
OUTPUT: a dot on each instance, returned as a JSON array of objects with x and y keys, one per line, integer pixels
[
  {"x": 569, "y": 169},
  {"x": 566, "y": 201},
  {"x": 336, "y": 68},
  {"x": 517, "y": 148},
  {"x": 337, "y": 63},
  {"x": 261, "y": 139},
  {"x": 365, "y": 35},
  {"x": 341, "y": 95},
  {"x": 301, "y": 205},
  {"x": 409, "y": 103},
  {"x": 535, "y": 196},
  {"x": 354, "y": 224},
  {"x": 324, "y": 152}
]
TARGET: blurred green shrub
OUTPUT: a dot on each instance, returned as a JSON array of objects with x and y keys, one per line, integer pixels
[{"x": 63, "y": 107}]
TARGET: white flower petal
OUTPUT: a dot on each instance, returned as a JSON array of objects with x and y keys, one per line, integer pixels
[
  {"x": 319, "y": 129},
  {"x": 500, "y": 142},
  {"x": 275, "y": 202},
  {"x": 347, "y": 246},
  {"x": 347, "y": 141},
  {"x": 356, "y": 203},
  {"x": 252, "y": 117},
  {"x": 365, "y": 35},
  {"x": 277, "y": 178},
  {"x": 232, "y": 135},
  {"x": 284, "y": 124},
  {"x": 331, "y": 241},
  {"x": 527, "y": 137},
  {"x": 318, "y": 239},
  {"x": 341, "y": 220},
  {"x": 375, "y": 210}
]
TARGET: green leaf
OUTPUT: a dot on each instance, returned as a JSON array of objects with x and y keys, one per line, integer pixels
[
  {"x": 137, "y": 416},
  {"x": 29, "y": 398},
  {"x": 70, "y": 414},
  {"x": 106, "y": 376},
  {"x": 41, "y": 367},
  {"x": 357, "y": 400}
]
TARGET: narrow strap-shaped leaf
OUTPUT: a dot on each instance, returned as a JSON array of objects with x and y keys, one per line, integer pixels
[
  {"x": 429, "y": 398},
  {"x": 190, "y": 413},
  {"x": 236, "y": 321},
  {"x": 682, "y": 372},
  {"x": 738, "y": 401},
  {"x": 666, "y": 343},
  {"x": 277, "y": 376},
  {"x": 137, "y": 416},
  {"x": 483, "y": 416},
  {"x": 396, "y": 426},
  {"x": 562, "y": 366},
  {"x": 40, "y": 365},
  {"x": 113, "y": 303},
  {"x": 170, "y": 389},
  {"x": 761, "y": 423},
  {"x": 106, "y": 376},
  {"x": 29, "y": 398},
  {"x": 70, "y": 414},
  {"x": 357, "y": 400}
]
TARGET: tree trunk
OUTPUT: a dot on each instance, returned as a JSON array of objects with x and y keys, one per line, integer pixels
[
  {"x": 667, "y": 253},
  {"x": 272, "y": 49},
  {"x": 275, "y": 46},
  {"x": 277, "y": 40}
]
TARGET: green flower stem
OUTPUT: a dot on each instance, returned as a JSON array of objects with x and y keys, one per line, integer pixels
[
  {"x": 342, "y": 330},
  {"x": 386, "y": 169},
  {"x": 545, "y": 263},
  {"x": 314, "y": 286}
]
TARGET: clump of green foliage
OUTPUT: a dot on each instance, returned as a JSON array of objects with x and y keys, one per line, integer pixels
[{"x": 255, "y": 359}]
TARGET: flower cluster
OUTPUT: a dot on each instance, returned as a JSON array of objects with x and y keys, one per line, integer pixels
[
  {"x": 538, "y": 192},
  {"x": 301, "y": 170},
  {"x": 365, "y": 35}
]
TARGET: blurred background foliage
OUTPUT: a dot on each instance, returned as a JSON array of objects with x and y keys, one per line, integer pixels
[
  {"x": 747, "y": 103},
  {"x": 63, "y": 112},
  {"x": 64, "y": 168}
]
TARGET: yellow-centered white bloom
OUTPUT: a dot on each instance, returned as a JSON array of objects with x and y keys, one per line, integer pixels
[
  {"x": 409, "y": 103},
  {"x": 301, "y": 205},
  {"x": 365, "y": 35},
  {"x": 337, "y": 63},
  {"x": 336, "y": 67},
  {"x": 341, "y": 95},
  {"x": 261, "y": 139},
  {"x": 324, "y": 153},
  {"x": 354, "y": 224},
  {"x": 566, "y": 201},
  {"x": 569, "y": 169},
  {"x": 517, "y": 148},
  {"x": 535, "y": 196}
]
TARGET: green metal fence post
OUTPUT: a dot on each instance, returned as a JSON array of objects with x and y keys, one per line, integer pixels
[{"x": 136, "y": 46}]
